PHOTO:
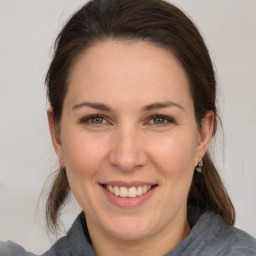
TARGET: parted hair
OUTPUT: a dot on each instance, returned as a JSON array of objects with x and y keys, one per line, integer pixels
[{"x": 164, "y": 25}]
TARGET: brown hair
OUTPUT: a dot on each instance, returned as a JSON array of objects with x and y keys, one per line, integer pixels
[{"x": 161, "y": 24}]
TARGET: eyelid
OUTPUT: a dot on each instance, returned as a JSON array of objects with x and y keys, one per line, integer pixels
[
  {"x": 170, "y": 120},
  {"x": 90, "y": 117}
]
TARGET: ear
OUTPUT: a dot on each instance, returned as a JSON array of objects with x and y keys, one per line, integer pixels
[
  {"x": 205, "y": 134},
  {"x": 55, "y": 134}
]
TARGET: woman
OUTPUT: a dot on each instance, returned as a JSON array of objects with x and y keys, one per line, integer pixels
[{"x": 132, "y": 94}]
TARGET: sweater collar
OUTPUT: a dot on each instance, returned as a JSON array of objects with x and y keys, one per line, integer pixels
[{"x": 78, "y": 242}]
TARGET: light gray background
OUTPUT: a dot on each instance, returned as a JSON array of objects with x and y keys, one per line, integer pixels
[{"x": 27, "y": 31}]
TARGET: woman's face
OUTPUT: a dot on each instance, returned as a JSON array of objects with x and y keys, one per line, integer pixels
[{"x": 129, "y": 139}]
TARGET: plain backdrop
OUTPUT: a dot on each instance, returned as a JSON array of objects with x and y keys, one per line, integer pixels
[{"x": 28, "y": 29}]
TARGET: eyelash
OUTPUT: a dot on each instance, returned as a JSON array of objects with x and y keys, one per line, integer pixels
[
  {"x": 89, "y": 118},
  {"x": 167, "y": 120}
]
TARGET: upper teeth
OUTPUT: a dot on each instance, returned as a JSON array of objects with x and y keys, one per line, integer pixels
[{"x": 128, "y": 192}]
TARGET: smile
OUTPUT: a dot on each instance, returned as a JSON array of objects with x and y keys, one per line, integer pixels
[
  {"x": 131, "y": 192},
  {"x": 128, "y": 195}
]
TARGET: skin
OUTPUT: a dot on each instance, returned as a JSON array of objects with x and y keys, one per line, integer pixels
[{"x": 128, "y": 144}]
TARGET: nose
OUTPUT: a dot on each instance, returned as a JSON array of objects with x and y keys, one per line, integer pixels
[{"x": 128, "y": 153}]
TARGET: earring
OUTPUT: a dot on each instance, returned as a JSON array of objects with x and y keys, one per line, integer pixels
[{"x": 200, "y": 164}]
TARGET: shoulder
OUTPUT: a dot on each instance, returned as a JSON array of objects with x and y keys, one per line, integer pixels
[
  {"x": 212, "y": 236},
  {"x": 73, "y": 243},
  {"x": 12, "y": 249},
  {"x": 242, "y": 244}
]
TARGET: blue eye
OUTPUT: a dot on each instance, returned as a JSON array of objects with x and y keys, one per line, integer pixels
[
  {"x": 94, "y": 119},
  {"x": 97, "y": 120},
  {"x": 161, "y": 120}
]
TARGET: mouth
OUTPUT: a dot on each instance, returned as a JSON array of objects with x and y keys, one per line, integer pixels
[{"x": 131, "y": 192}]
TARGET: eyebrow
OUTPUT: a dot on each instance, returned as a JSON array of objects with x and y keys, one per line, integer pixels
[
  {"x": 159, "y": 105},
  {"x": 98, "y": 106},
  {"x": 103, "y": 107}
]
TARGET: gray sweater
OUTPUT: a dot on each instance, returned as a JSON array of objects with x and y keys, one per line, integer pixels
[{"x": 209, "y": 236}]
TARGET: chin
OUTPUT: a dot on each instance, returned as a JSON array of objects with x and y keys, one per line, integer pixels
[{"x": 130, "y": 229}]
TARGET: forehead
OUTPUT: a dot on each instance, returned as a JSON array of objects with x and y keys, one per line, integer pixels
[{"x": 123, "y": 72}]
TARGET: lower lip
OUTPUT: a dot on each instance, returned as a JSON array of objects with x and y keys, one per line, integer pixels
[{"x": 128, "y": 202}]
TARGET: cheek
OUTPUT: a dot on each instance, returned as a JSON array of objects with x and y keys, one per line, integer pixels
[
  {"x": 82, "y": 153},
  {"x": 174, "y": 158},
  {"x": 175, "y": 154}
]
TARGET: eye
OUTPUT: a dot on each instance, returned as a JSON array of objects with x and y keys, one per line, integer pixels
[
  {"x": 94, "y": 120},
  {"x": 160, "y": 120}
]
